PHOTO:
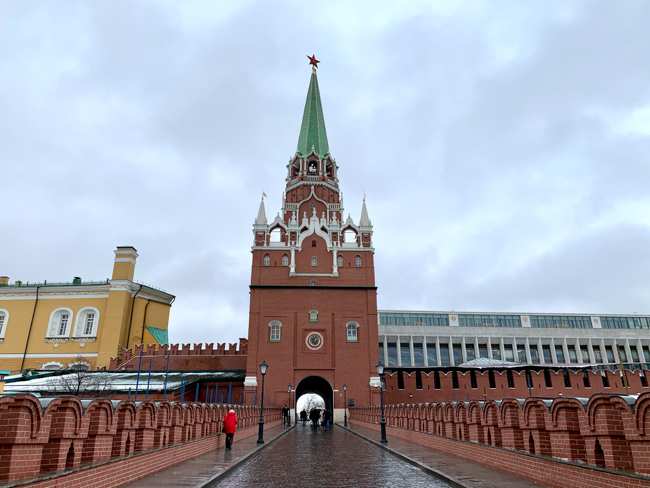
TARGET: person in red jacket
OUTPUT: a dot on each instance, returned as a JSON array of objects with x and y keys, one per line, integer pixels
[{"x": 229, "y": 427}]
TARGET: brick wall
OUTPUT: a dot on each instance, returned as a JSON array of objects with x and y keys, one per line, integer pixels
[
  {"x": 105, "y": 441},
  {"x": 602, "y": 441}
]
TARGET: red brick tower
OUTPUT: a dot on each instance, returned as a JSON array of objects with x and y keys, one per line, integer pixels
[{"x": 313, "y": 311}]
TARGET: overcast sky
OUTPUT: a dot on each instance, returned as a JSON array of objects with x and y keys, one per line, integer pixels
[{"x": 503, "y": 146}]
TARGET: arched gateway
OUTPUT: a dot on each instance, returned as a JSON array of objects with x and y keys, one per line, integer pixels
[{"x": 313, "y": 299}]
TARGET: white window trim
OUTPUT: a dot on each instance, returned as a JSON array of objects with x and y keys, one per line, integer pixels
[
  {"x": 314, "y": 261},
  {"x": 271, "y": 324},
  {"x": 285, "y": 257},
  {"x": 356, "y": 331},
  {"x": 266, "y": 260},
  {"x": 55, "y": 320},
  {"x": 80, "y": 322},
  {"x": 52, "y": 363},
  {"x": 339, "y": 261},
  {"x": 85, "y": 363},
  {"x": 4, "y": 313},
  {"x": 357, "y": 261}
]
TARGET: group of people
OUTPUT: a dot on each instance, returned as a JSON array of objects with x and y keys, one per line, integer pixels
[{"x": 316, "y": 416}]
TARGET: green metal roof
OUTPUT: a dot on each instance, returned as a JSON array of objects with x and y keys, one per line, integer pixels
[
  {"x": 312, "y": 130},
  {"x": 160, "y": 335}
]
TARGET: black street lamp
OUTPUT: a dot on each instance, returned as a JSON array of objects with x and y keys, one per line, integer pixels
[
  {"x": 380, "y": 371},
  {"x": 289, "y": 416},
  {"x": 260, "y": 439},
  {"x": 345, "y": 405}
]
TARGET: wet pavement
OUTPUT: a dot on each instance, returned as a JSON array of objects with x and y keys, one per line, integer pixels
[
  {"x": 467, "y": 472},
  {"x": 335, "y": 458}
]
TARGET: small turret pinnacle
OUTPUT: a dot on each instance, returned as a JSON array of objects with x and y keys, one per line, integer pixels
[
  {"x": 364, "y": 221},
  {"x": 261, "y": 214}
]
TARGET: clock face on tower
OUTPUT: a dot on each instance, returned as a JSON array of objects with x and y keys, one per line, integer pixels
[{"x": 314, "y": 340}]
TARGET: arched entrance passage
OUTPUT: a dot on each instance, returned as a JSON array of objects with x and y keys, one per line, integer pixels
[{"x": 319, "y": 386}]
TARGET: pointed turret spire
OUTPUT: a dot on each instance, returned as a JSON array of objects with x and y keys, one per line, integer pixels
[
  {"x": 261, "y": 214},
  {"x": 312, "y": 130},
  {"x": 364, "y": 221}
]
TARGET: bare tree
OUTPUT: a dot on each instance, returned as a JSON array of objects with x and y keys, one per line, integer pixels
[
  {"x": 312, "y": 401},
  {"x": 80, "y": 380}
]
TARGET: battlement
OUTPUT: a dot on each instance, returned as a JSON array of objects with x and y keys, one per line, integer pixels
[{"x": 179, "y": 354}]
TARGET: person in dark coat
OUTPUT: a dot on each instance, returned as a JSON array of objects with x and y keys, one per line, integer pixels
[
  {"x": 314, "y": 416},
  {"x": 229, "y": 427},
  {"x": 285, "y": 414},
  {"x": 326, "y": 419}
]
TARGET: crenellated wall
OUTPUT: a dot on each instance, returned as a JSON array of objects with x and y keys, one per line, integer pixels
[
  {"x": 184, "y": 358},
  {"x": 563, "y": 442},
  {"x": 40, "y": 437}
]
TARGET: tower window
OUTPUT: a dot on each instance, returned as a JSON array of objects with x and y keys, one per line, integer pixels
[
  {"x": 339, "y": 261},
  {"x": 352, "y": 331},
  {"x": 312, "y": 283},
  {"x": 312, "y": 166},
  {"x": 358, "y": 261},
  {"x": 267, "y": 260},
  {"x": 313, "y": 243},
  {"x": 312, "y": 205},
  {"x": 274, "y": 333},
  {"x": 314, "y": 261},
  {"x": 285, "y": 260},
  {"x": 313, "y": 315}
]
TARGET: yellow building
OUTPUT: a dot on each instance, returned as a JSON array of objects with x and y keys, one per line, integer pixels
[{"x": 49, "y": 325}]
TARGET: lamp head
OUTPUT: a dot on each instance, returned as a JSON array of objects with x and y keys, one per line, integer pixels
[
  {"x": 345, "y": 387},
  {"x": 380, "y": 368},
  {"x": 289, "y": 387},
  {"x": 263, "y": 367}
]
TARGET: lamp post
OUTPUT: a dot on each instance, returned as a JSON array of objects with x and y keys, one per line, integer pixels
[
  {"x": 260, "y": 439},
  {"x": 380, "y": 371},
  {"x": 289, "y": 416},
  {"x": 345, "y": 405}
]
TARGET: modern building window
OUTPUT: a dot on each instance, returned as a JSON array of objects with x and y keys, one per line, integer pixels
[
  {"x": 274, "y": 330},
  {"x": 358, "y": 261},
  {"x": 496, "y": 351},
  {"x": 546, "y": 351},
  {"x": 609, "y": 351},
  {"x": 314, "y": 261},
  {"x": 585, "y": 354},
  {"x": 489, "y": 320},
  {"x": 418, "y": 354},
  {"x": 414, "y": 319},
  {"x": 458, "y": 354},
  {"x": 339, "y": 261},
  {"x": 598, "y": 354},
  {"x": 635, "y": 354},
  {"x": 469, "y": 350},
  {"x": 560, "y": 321},
  {"x": 4, "y": 319},
  {"x": 267, "y": 260},
  {"x": 352, "y": 331},
  {"x": 508, "y": 353},
  {"x": 521, "y": 354},
  {"x": 559, "y": 354},
  {"x": 534, "y": 354},
  {"x": 405, "y": 353},
  {"x": 60, "y": 323},
  {"x": 482, "y": 351},
  {"x": 444, "y": 355},
  {"x": 86, "y": 323},
  {"x": 625, "y": 322},
  {"x": 622, "y": 354},
  {"x": 573, "y": 356},
  {"x": 392, "y": 354},
  {"x": 431, "y": 355},
  {"x": 285, "y": 260}
]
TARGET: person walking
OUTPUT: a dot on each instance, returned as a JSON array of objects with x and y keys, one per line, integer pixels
[
  {"x": 285, "y": 415},
  {"x": 229, "y": 427},
  {"x": 314, "y": 416},
  {"x": 326, "y": 419}
]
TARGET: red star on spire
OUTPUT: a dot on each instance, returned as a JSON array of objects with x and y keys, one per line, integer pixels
[{"x": 313, "y": 61}]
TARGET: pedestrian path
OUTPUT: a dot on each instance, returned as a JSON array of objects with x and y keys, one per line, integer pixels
[
  {"x": 472, "y": 474},
  {"x": 199, "y": 470},
  {"x": 327, "y": 459}
]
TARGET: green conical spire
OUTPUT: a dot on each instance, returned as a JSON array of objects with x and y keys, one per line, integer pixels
[{"x": 312, "y": 130}]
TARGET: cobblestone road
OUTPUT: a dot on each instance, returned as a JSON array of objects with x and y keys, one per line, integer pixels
[{"x": 335, "y": 458}]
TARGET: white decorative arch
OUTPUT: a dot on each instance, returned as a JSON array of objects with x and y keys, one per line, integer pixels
[
  {"x": 352, "y": 331},
  {"x": 4, "y": 320},
  {"x": 275, "y": 330},
  {"x": 80, "y": 366},
  {"x": 86, "y": 323},
  {"x": 60, "y": 322},
  {"x": 52, "y": 366}
]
